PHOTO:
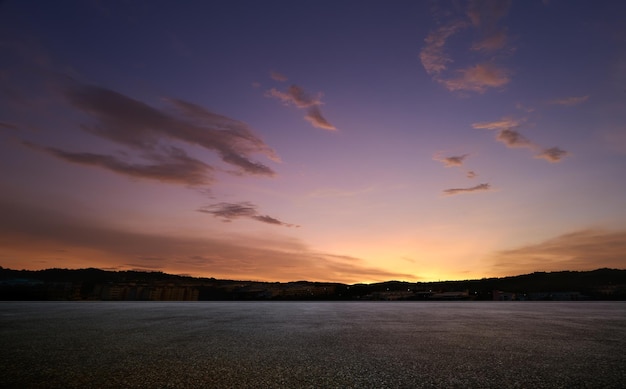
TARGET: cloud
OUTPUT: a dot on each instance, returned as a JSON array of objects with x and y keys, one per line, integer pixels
[
  {"x": 143, "y": 128},
  {"x": 172, "y": 165},
  {"x": 471, "y": 174},
  {"x": 507, "y": 132},
  {"x": 297, "y": 96},
  {"x": 483, "y": 16},
  {"x": 504, "y": 123},
  {"x": 494, "y": 41},
  {"x": 477, "y": 188},
  {"x": 433, "y": 55},
  {"x": 314, "y": 116},
  {"x": 278, "y": 76},
  {"x": 8, "y": 126},
  {"x": 553, "y": 154},
  {"x": 478, "y": 78},
  {"x": 29, "y": 232},
  {"x": 508, "y": 135},
  {"x": 486, "y": 13},
  {"x": 451, "y": 161},
  {"x": 512, "y": 138},
  {"x": 569, "y": 101},
  {"x": 231, "y": 211},
  {"x": 579, "y": 250}
]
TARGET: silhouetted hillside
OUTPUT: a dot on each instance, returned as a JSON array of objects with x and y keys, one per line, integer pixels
[{"x": 96, "y": 284}]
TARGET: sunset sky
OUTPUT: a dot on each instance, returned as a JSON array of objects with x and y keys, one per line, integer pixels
[{"x": 350, "y": 141}]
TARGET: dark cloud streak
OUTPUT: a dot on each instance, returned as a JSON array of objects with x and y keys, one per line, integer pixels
[
  {"x": 231, "y": 211},
  {"x": 507, "y": 133},
  {"x": 477, "y": 188},
  {"x": 172, "y": 166},
  {"x": 137, "y": 125}
]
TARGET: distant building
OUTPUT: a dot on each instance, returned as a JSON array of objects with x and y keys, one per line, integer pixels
[
  {"x": 450, "y": 295},
  {"x": 499, "y": 295}
]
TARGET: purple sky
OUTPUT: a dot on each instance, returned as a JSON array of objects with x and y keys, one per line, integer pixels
[{"x": 351, "y": 141}]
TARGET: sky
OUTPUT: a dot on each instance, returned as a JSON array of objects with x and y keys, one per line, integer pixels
[{"x": 345, "y": 141}]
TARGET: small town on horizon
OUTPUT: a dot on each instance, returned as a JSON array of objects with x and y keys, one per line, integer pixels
[{"x": 130, "y": 285}]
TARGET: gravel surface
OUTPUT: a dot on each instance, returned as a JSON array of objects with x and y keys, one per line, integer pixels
[{"x": 312, "y": 345}]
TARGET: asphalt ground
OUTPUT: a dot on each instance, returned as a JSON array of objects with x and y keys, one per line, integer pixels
[{"x": 313, "y": 345}]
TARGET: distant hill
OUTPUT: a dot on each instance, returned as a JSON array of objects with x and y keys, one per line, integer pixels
[{"x": 97, "y": 284}]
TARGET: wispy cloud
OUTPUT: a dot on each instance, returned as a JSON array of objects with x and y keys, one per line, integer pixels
[
  {"x": 504, "y": 123},
  {"x": 150, "y": 131},
  {"x": 231, "y": 211},
  {"x": 278, "y": 76},
  {"x": 471, "y": 174},
  {"x": 28, "y": 232},
  {"x": 314, "y": 116},
  {"x": 580, "y": 250},
  {"x": 569, "y": 101},
  {"x": 433, "y": 56},
  {"x": 478, "y": 78},
  {"x": 553, "y": 154},
  {"x": 512, "y": 138},
  {"x": 452, "y": 161},
  {"x": 507, "y": 133},
  {"x": 486, "y": 13},
  {"x": 477, "y": 188},
  {"x": 8, "y": 126},
  {"x": 171, "y": 165},
  {"x": 492, "y": 42},
  {"x": 483, "y": 16},
  {"x": 297, "y": 96}
]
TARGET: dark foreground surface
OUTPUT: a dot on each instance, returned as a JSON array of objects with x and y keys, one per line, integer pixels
[{"x": 307, "y": 344}]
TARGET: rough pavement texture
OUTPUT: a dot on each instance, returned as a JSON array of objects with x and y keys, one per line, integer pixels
[{"x": 312, "y": 345}]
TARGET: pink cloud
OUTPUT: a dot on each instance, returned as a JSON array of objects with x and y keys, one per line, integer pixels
[
  {"x": 508, "y": 134},
  {"x": 433, "y": 56},
  {"x": 569, "y": 101},
  {"x": 553, "y": 154},
  {"x": 486, "y": 13},
  {"x": 452, "y": 161},
  {"x": 580, "y": 250},
  {"x": 278, "y": 76},
  {"x": 512, "y": 138},
  {"x": 478, "y": 78},
  {"x": 484, "y": 16},
  {"x": 504, "y": 123},
  {"x": 297, "y": 96},
  {"x": 314, "y": 116},
  {"x": 492, "y": 42}
]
